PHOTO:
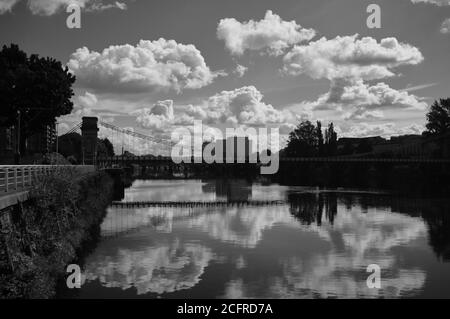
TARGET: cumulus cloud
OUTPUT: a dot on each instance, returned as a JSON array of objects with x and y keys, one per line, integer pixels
[
  {"x": 158, "y": 117},
  {"x": 148, "y": 66},
  {"x": 82, "y": 106},
  {"x": 98, "y": 6},
  {"x": 240, "y": 70},
  {"x": 7, "y": 5},
  {"x": 271, "y": 34},
  {"x": 350, "y": 57},
  {"x": 348, "y": 62},
  {"x": 362, "y": 101},
  {"x": 436, "y": 2},
  {"x": 189, "y": 113},
  {"x": 50, "y": 7},
  {"x": 88, "y": 100},
  {"x": 239, "y": 108},
  {"x": 379, "y": 129},
  {"x": 242, "y": 106},
  {"x": 445, "y": 26}
]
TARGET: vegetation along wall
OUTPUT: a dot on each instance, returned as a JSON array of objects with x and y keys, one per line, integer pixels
[{"x": 44, "y": 234}]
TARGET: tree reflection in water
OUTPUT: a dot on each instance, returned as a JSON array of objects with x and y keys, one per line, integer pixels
[{"x": 311, "y": 208}]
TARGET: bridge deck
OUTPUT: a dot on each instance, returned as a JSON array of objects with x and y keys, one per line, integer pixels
[{"x": 168, "y": 160}]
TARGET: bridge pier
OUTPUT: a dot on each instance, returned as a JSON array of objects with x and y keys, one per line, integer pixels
[
  {"x": 89, "y": 134},
  {"x": 117, "y": 175}
]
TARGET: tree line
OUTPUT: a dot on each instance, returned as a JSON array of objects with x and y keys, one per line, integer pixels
[{"x": 309, "y": 140}]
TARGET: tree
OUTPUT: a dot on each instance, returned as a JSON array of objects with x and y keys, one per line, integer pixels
[
  {"x": 439, "y": 117},
  {"x": 330, "y": 140},
  {"x": 69, "y": 145},
  {"x": 303, "y": 140},
  {"x": 105, "y": 148},
  {"x": 33, "y": 90},
  {"x": 320, "y": 143}
]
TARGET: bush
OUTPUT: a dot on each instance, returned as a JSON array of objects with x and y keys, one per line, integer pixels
[{"x": 49, "y": 229}]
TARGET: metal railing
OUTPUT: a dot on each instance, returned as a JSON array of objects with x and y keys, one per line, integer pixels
[{"x": 21, "y": 177}]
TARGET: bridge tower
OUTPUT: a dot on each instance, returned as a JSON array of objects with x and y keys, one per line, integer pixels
[{"x": 89, "y": 134}]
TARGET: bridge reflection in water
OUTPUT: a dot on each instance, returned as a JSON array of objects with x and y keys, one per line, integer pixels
[
  {"x": 125, "y": 217},
  {"x": 316, "y": 243}
]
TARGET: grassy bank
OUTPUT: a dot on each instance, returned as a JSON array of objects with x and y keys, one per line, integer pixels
[{"x": 46, "y": 231}]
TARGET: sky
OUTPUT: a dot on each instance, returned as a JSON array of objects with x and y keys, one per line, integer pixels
[{"x": 153, "y": 66}]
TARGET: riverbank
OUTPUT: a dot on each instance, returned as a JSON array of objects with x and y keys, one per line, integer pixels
[
  {"x": 47, "y": 231},
  {"x": 423, "y": 179}
]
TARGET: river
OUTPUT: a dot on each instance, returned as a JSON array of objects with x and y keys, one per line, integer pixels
[{"x": 318, "y": 243}]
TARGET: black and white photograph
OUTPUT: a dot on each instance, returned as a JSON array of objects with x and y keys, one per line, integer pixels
[{"x": 224, "y": 155}]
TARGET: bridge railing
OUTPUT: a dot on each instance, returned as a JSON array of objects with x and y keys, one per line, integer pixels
[{"x": 21, "y": 177}]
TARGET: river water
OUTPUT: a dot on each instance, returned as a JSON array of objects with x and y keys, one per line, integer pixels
[{"x": 317, "y": 244}]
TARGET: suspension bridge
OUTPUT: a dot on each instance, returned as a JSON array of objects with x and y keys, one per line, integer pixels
[{"x": 138, "y": 148}]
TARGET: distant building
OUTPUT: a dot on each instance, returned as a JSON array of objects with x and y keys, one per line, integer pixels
[
  {"x": 397, "y": 146},
  {"x": 42, "y": 142},
  {"x": 356, "y": 141},
  {"x": 396, "y": 142},
  {"x": 350, "y": 145},
  {"x": 236, "y": 149},
  {"x": 7, "y": 144}
]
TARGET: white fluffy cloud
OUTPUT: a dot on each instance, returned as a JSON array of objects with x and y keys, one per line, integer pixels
[
  {"x": 240, "y": 70},
  {"x": 158, "y": 117},
  {"x": 242, "y": 106},
  {"x": 7, "y": 5},
  {"x": 348, "y": 62},
  {"x": 379, "y": 129},
  {"x": 350, "y": 57},
  {"x": 436, "y": 2},
  {"x": 360, "y": 100},
  {"x": 99, "y": 6},
  {"x": 88, "y": 100},
  {"x": 271, "y": 34},
  {"x": 82, "y": 106},
  {"x": 237, "y": 108},
  {"x": 148, "y": 66},
  {"x": 445, "y": 26},
  {"x": 50, "y": 7}
]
